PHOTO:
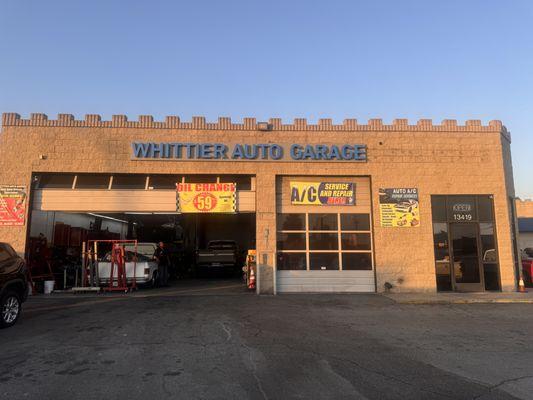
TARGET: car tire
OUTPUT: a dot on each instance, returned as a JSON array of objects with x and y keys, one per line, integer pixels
[{"x": 10, "y": 309}]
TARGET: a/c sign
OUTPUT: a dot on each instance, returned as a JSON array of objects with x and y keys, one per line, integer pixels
[{"x": 323, "y": 193}]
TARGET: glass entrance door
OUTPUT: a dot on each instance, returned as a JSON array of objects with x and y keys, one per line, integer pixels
[{"x": 466, "y": 268}]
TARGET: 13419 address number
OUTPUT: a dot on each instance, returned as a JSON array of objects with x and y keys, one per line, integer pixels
[{"x": 462, "y": 217}]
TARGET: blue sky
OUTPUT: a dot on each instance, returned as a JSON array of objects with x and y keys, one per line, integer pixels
[{"x": 289, "y": 59}]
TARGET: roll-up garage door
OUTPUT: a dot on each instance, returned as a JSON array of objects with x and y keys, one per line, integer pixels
[
  {"x": 323, "y": 247},
  {"x": 157, "y": 201}
]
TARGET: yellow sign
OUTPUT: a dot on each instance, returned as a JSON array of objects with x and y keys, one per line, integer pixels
[
  {"x": 206, "y": 197},
  {"x": 399, "y": 207},
  {"x": 323, "y": 193}
]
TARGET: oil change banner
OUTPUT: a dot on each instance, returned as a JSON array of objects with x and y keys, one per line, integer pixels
[
  {"x": 323, "y": 193},
  {"x": 206, "y": 197},
  {"x": 12, "y": 205},
  {"x": 399, "y": 207}
]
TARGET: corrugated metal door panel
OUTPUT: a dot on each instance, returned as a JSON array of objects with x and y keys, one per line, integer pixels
[
  {"x": 326, "y": 274},
  {"x": 120, "y": 200},
  {"x": 321, "y": 288},
  {"x": 325, "y": 281},
  {"x": 325, "y": 289}
]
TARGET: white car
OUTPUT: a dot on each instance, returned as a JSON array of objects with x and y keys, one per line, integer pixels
[
  {"x": 145, "y": 248},
  {"x": 145, "y": 272}
]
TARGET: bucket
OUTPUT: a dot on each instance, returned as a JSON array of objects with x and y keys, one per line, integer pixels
[{"x": 48, "y": 287}]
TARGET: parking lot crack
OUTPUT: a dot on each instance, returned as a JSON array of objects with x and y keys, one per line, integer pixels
[
  {"x": 227, "y": 330},
  {"x": 253, "y": 370}
]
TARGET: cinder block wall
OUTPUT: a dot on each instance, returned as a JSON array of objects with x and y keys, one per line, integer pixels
[
  {"x": 524, "y": 208},
  {"x": 437, "y": 159}
]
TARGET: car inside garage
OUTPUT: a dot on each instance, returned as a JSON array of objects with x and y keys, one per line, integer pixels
[{"x": 71, "y": 212}]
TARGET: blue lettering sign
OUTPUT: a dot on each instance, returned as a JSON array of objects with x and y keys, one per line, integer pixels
[
  {"x": 140, "y": 150},
  {"x": 276, "y": 152},
  {"x": 219, "y": 151},
  {"x": 238, "y": 152},
  {"x": 296, "y": 152},
  {"x": 250, "y": 151},
  {"x": 264, "y": 151}
]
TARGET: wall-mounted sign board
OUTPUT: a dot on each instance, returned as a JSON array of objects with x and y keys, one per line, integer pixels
[
  {"x": 323, "y": 193},
  {"x": 12, "y": 205},
  {"x": 206, "y": 197},
  {"x": 247, "y": 152},
  {"x": 399, "y": 207}
]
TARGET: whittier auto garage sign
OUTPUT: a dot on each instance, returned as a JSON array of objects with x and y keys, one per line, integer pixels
[{"x": 247, "y": 152}]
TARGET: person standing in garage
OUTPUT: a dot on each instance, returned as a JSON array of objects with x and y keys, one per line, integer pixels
[{"x": 161, "y": 256}]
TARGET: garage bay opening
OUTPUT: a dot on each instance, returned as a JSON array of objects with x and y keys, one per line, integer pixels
[{"x": 173, "y": 230}]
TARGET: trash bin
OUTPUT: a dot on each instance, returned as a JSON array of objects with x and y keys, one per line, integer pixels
[{"x": 48, "y": 287}]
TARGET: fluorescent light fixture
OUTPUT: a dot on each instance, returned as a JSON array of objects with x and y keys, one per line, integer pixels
[
  {"x": 106, "y": 217},
  {"x": 150, "y": 213}
]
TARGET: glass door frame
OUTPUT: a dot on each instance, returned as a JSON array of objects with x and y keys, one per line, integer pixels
[
  {"x": 442, "y": 213},
  {"x": 466, "y": 287}
]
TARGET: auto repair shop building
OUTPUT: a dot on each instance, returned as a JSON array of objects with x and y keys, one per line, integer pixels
[{"x": 329, "y": 208}]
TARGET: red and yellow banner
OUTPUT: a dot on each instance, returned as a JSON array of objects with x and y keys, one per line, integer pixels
[
  {"x": 12, "y": 205},
  {"x": 206, "y": 197}
]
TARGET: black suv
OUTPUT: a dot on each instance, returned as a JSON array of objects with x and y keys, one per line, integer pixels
[{"x": 13, "y": 285}]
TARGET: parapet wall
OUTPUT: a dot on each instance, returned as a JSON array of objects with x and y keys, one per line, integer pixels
[
  {"x": 299, "y": 124},
  {"x": 524, "y": 208}
]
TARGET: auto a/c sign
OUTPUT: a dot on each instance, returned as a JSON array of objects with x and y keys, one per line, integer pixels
[{"x": 247, "y": 152}]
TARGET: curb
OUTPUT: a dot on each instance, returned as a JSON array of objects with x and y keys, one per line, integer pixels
[{"x": 465, "y": 301}]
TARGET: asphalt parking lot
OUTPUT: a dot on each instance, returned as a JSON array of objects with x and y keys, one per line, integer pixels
[{"x": 220, "y": 342}]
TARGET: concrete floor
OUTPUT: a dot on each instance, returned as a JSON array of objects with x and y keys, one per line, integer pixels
[{"x": 216, "y": 341}]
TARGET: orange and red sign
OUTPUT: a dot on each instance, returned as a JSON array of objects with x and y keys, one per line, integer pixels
[
  {"x": 12, "y": 205},
  {"x": 206, "y": 197}
]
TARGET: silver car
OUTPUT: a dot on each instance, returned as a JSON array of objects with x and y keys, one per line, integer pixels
[{"x": 145, "y": 272}]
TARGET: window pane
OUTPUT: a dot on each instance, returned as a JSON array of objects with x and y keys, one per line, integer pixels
[
  {"x": 291, "y": 241},
  {"x": 291, "y": 222},
  {"x": 490, "y": 273},
  {"x": 129, "y": 182},
  {"x": 244, "y": 182},
  {"x": 291, "y": 261},
  {"x": 324, "y": 261},
  {"x": 462, "y": 208},
  {"x": 322, "y": 222},
  {"x": 488, "y": 244},
  {"x": 484, "y": 204},
  {"x": 442, "y": 257},
  {"x": 86, "y": 181},
  {"x": 59, "y": 181},
  {"x": 444, "y": 276},
  {"x": 356, "y": 261},
  {"x": 438, "y": 208},
  {"x": 323, "y": 241},
  {"x": 440, "y": 242},
  {"x": 355, "y": 241},
  {"x": 355, "y": 222}
]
